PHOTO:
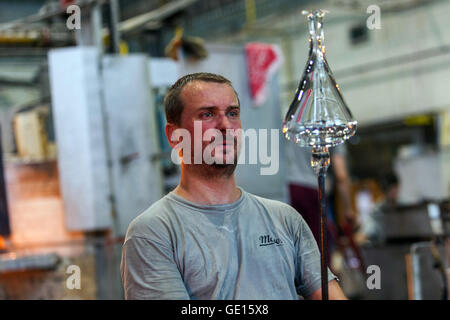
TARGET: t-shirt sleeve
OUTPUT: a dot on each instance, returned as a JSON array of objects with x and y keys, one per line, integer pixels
[
  {"x": 149, "y": 271},
  {"x": 308, "y": 270}
]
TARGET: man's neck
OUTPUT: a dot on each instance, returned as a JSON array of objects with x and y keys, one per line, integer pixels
[{"x": 203, "y": 190}]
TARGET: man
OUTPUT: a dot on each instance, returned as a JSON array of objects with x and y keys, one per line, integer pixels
[
  {"x": 373, "y": 227},
  {"x": 303, "y": 185},
  {"x": 208, "y": 238},
  {"x": 304, "y": 194}
]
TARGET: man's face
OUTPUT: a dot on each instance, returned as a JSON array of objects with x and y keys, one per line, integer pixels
[
  {"x": 392, "y": 193},
  {"x": 215, "y": 106}
]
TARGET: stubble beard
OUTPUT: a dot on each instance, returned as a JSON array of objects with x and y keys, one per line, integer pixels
[
  {"x": 220, "y": 170},
  {"x": 217, "y": 170}
]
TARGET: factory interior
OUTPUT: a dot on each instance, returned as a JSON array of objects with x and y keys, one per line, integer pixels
[{"x": 84, "y": 148}]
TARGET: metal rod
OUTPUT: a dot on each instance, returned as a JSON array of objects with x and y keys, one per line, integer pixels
[
  {"x": 114, "y": 20},
  {"x": 323, "y": 236},
  {"x": 5, "y": 228},
  {"x": 320, "y": 161}
]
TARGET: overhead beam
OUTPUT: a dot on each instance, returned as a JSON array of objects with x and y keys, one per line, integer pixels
[
  {"x": 130, "y": 25},
  {"x": 45, "y": 15},
  {"x": 140, "y": 21}
]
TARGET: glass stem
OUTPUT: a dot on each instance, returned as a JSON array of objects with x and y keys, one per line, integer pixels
[
  {"x": 320, "y": 160},
  {"x": 316, "y": 34},
  {"x": 317, "y": 50}
]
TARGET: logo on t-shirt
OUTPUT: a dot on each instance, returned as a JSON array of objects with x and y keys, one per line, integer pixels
[{"x": 267, "y": 240}]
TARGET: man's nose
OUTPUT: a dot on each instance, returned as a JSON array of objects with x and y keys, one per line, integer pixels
[{"x": 223, "y": 122}]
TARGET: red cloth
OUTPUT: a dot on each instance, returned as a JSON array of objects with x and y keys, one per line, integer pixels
[
  {"x": 65, "y": 3},
  {"x": 263, "y": 60},
  {"x": 306, "y": 201}
]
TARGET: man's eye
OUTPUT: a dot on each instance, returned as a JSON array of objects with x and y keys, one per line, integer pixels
[
  {"x": 206, "y": 114},
  {"x": 233, "y": 113}
]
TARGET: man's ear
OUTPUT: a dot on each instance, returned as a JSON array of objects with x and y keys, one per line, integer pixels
[{"x": 170, "y": 128}]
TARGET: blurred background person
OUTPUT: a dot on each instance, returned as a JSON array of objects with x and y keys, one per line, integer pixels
[
  {"x": 373, "y": 226},
  {"x": 304, "y": 197}
]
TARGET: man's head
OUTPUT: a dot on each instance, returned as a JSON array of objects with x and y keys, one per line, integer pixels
[
  {"x": 173, "y": 103},
  {"x": 208, "y": 101},
  {"x": 390, "y": 187}
]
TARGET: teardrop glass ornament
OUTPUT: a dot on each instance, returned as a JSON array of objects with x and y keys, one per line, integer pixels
[{"x": 318, "y": 116}]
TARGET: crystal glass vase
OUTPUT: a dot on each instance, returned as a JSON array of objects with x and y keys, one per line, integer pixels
[{"x": 318, "y": 116}]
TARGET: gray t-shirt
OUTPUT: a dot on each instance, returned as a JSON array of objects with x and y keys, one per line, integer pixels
[{"x": 253, "y": 249}]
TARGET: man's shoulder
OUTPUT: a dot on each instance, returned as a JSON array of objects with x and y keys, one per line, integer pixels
[
  {"x": 267, "y": 201},
  {"x": 274, "y": 206},
  {"x": 155, "y": 216}
]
